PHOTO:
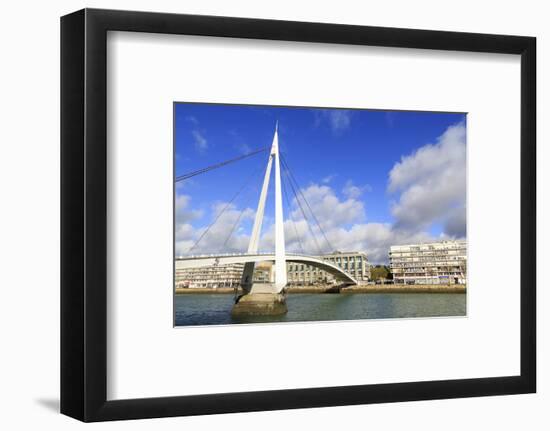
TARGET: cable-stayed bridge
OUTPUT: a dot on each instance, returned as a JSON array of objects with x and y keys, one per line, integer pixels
[{"x": 279, "y": 256}]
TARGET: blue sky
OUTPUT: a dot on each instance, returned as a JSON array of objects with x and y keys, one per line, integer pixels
[{"x": 372, "y": 177}]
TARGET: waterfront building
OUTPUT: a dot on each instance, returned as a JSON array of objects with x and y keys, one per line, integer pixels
[
  {"x": 211, "y": 276},
  {"x": 263, "y": 272},
  {"x": 216, "y": 276},
  {"x": 441, "y": 262},
  {"x": 354, "y": 263}
]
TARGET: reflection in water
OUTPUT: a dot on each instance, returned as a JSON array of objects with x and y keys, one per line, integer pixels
[{"x": 215, "y": 309}]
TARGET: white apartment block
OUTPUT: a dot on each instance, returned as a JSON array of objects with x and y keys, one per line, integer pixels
[
  {"x": 354, "y": 263},
  {"x": 217, "y": 276},
  {"x": 441, "y": 262},
  {"x": 210, "y": 276}
]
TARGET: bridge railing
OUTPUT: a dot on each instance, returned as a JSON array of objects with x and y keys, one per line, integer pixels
[
  {"x": 207, "y": 256},
  {"x": 222, "y": 255}
]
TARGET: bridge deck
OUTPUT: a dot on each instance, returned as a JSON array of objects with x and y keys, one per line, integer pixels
[{"x": 201, "y": 261}]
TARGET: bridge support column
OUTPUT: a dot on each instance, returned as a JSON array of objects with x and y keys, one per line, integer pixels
[
  {"x": 260, "y": 304},
  {"x": 266, "y": 298}
]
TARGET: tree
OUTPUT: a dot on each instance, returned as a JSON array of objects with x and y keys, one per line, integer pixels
[{"x": 379, "y": 272}]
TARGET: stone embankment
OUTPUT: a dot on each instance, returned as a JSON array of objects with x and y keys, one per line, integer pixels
[{"x": 367, "y": 288}]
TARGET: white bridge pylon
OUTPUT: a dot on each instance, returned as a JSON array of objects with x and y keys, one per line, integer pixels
[
  {"x": 279, "y": 258},
  {"x": 280, "y": 255}
]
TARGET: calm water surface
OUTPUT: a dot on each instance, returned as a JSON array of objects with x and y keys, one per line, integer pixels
[{"x": 215, "y": 309}]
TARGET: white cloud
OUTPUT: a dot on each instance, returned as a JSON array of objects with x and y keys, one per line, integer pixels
[
  {"x": 199, "y": 140},
  {"x": 223, "y": 236},
  {"x": 431, "y": 183},
  {"x": 455, "y": 224},
  {"x": 296, "y": 236},
  {"x": 430, "y": 186},
  {"x": 331, "y": 213},
  {"x": 240, "y": 143},
  {"x": 352, "y": 191},
  {"x": 192, "y": 119},
  {"x": 327, "y": 208},
  {"x": 342, "y": 221},
  {"x": 201, "y": 144},
  {"x": 338, "y": 119},
  {"x": 328, "y": 178},
  {"x": 183, "y": 213},
  {"x": 373, "y": 238}
]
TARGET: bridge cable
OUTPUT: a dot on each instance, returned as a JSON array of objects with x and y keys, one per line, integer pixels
[
  {"x": 291, "y": 217},
  {"x": 237, "y": 222},
  {"x": 283, "y": 159},
  {"x": 309, "y": 207},
  {"x": 306, "y": 218},
  {"x": 222, "y": 211},
  {"x": 218, "y": 165}
]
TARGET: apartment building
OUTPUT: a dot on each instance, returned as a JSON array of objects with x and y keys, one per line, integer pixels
[
  {"x": 354, "y": 263},
  {"x": 211, "y": 276},
  {"x": 441, "y": 262},
  {"x": 216, "y": 276}
]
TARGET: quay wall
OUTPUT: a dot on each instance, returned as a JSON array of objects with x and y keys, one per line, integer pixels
[{"x": 389, "y": 288}]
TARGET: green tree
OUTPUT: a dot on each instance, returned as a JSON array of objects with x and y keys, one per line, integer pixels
[{"x": 379, "y": 272}]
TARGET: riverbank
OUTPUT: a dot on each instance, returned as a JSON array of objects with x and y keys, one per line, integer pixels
[
  {"x": 416, "y": 288},
  {"x": 369, "y": 288}
]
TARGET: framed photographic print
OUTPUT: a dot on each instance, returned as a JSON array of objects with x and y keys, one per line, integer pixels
[
  {"x": 262, "y": 215},
  {"x": 316, "y": 214}
]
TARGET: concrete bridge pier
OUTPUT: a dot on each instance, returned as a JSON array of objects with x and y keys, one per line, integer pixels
[
  {"x": 260, "y": 304},
  {"x": 259, "y": 299}
]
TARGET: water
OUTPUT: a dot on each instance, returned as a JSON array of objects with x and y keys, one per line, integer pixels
[{"x": 215, "y": 309}]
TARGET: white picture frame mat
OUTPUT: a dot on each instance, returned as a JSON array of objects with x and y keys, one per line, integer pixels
[{"x": 148, "y": 357}]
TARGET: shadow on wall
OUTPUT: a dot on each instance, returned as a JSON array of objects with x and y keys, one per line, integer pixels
[{"x": 49, "y": 403}]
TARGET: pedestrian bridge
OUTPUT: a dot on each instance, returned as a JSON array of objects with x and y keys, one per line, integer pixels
[
  {"x": 202, "y": 261},
  {"x": 279, "y": 256}
]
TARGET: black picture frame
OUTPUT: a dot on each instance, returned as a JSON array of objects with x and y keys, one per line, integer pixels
[{"x": 84, "y": 214}]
